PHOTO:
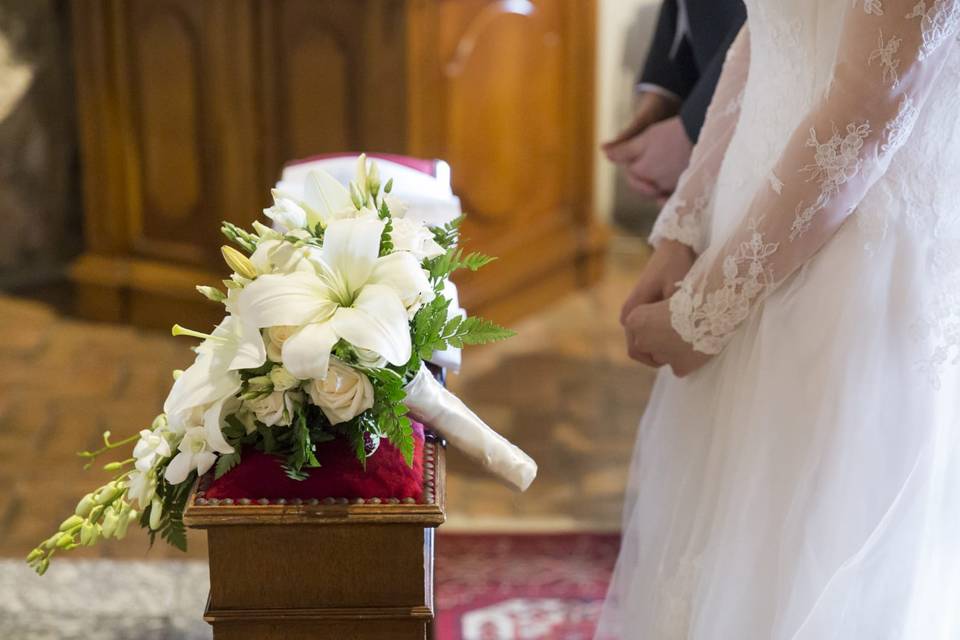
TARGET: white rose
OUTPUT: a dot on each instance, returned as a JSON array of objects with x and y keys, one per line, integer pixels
[
  {"x": 275, "y": 338},
  {"x": 274, "y": 409},
  {"x": 416, "y": 238},
  {"x": 282, "y": 379},
  {"x": 344, "y": 394}
]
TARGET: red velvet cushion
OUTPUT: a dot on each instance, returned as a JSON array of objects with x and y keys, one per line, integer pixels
[{"x": 340, "y": 475}]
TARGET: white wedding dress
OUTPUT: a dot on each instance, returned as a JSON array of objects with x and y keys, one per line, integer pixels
[{"x": 805, "y": 483}]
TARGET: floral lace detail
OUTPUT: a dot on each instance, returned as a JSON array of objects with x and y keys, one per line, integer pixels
[
  {"x": 707, "y": 322},
  {"x": 885, "y": 53},
  {"x": 732, "y": 108},
  {"x": 775, "y": 183},
  {"x": 940, "y": 324},
  {"x": 938, "y": 22},
  {"x": 836, "y": 161},
  {"x": 871, "y": 7},
  {"x": 676, "y": 600},
  {"x": 685, "y": 227},
  {"x": 898, "y": 130}
]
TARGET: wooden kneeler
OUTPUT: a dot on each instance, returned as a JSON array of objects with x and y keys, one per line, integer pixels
[{"x": 329, "y": 567}]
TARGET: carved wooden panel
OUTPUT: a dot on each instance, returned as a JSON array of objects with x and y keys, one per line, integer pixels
[
  {"x": 164, "y": 71},
  {"x": 502, "y": 89},
  {"x": 332, "y": 78}
]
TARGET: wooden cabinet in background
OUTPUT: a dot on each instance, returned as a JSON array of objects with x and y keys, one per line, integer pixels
[{"x": 189, "y": 109}]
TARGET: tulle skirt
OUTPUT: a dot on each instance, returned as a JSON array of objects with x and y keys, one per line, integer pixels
[{"x": 805, "y": 483}]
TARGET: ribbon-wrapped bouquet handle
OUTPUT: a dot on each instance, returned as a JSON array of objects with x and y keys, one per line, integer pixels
[{"x": 434, "y": 405}]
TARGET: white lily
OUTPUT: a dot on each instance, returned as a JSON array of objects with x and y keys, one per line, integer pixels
[{"x": 355, "y": 295}]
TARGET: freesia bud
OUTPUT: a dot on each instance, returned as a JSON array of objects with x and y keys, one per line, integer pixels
[
  {"x": 211, "y": 293},
  {"x": 238, "y": 262},
  {"x": 64, "y": 540},
  {"x": 43, "y": 566},
  {"x": 110, "y": 522},
  {"x": 355, "y": 196},
  {"x": 84, "y": 506},
  {"x": 124, "y": 522},
  {"x": 34, "y": 555},
  {"x": 89, "y": 533},
  {"x": 264, "y": 231},
  {"x": 362, "y": 170},
  {"x": 156, "y": 513},
  {"x": 71, "y": 523},
  {"x": 373, "y": 179},
  {"x": 107, "y": 494}
]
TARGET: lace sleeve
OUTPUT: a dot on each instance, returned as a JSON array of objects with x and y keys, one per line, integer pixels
[
  {"x": 681, "y": 218},
  {"x": 890, "y": 55}
]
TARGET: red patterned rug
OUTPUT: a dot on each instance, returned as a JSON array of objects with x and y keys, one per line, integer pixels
[{"x": 522, "y": 587}]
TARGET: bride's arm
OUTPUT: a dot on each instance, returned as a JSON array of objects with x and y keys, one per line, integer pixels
[
  {"x": 889, "y": 58},
  {"x": 681, "y": 217}
]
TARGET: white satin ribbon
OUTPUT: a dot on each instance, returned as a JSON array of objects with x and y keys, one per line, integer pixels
[{"x": 431, "y": 403}]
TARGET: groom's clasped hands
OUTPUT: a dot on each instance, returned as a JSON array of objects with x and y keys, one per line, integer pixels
[{"x": 645, "y": 316}]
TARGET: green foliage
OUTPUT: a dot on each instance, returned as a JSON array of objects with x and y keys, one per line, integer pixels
[
  {"x": 174, "y": 500},
  {"x": 302, "y": 447},
  {"x": 225, "y": 462},
  {"x": 448, "y": 235},
  {"x": 241, "y": 237},
  {"x": 434, "y": 331},
  {"x": 442, "y": 266},
  {"x": 388, "y": 416}
]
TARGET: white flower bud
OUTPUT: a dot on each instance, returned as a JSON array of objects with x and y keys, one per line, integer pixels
[
  {"x": 282, "y": 379},
  {"x": 156, "y": 513}
]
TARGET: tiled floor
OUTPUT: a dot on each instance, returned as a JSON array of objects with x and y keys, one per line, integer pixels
[{"x": 563, "y": 390}]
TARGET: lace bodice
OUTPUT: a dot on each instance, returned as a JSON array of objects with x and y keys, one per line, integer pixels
[{"x": 853, "y": 112}]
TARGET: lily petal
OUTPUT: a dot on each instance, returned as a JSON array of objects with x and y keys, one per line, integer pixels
[
  {"x": 306, "y": 354},
  {"x": 325, "y": 195},
  {"x": 179, "y": 468},
  {"x": 292, "y": 299},
  {"x": 401, "y": 271},
  {"x": 201, "y": 383},
  {"x": 204, "y": 461},
  {"x": 250, "y": 352},
  {"x": 350, "y": 250},
  {"x": 213, "y": 427},
  {"x": 378, "y": 322}
]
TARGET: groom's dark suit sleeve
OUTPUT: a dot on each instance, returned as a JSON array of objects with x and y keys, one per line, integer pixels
[
  {"x": 680, "y": 73},
  {"x": 677, "y": 73},
  {"x": 694, "y": 109}
]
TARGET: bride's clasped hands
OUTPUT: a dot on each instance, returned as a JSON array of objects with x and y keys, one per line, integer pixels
[{"x": 645, "y": 316}]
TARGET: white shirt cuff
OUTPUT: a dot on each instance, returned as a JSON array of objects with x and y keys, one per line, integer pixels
[{"x": 647, "y": 87}]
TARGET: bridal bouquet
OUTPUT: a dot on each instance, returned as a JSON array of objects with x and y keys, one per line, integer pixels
[{"x": 330, "y": 314}]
